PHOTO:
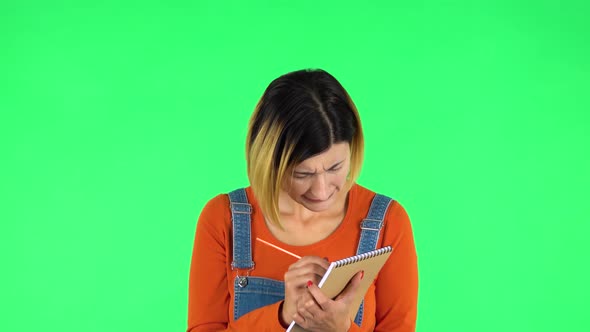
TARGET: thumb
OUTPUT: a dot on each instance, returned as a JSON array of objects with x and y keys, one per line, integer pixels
[{"x": 349, "y": 291}]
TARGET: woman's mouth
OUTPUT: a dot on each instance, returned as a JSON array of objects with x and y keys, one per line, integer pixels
[{"x": 318, "y": 200}]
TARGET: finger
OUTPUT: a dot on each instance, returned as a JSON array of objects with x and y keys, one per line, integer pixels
[
  {"x": 305, "y": 311},
  {"x": 302, "y": 299},
  {"x": 305, "y": 273},
  {"x": 310, "y": 260},
  {"x": 307, "y": 265},
  {"x": 313, "y": 308},
  {"x": 299, "y": 285},
  {"x": 306, "y": 260},
  {"x": 318, "y": 296},
  {"x": 310, "y": 269},
  {"x": 349, "y": 291},
  {"x": 300, "y": 276},
  {"x": 300, "y": 321}
]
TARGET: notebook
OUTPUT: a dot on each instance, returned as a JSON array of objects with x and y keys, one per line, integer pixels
[{"x": 340, "y": 272}]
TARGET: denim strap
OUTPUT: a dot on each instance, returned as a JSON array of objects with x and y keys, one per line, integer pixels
[
  {"x": 242, "y": 243},
  {"x": 370, "y": 229},
  {"x": 372, "y": 224}
]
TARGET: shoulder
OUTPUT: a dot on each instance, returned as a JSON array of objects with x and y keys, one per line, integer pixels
[
  {"x": 216, "y": 205},
  {"x": 220, "y": 207},
  {"x": 396, "y": 213},
  {"x": 215, "y": 216}
]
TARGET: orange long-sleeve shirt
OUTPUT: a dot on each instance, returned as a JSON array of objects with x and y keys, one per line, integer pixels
[{"x": 390, "y": 303}]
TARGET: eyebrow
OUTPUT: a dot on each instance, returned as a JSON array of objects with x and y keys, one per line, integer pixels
[{"x": 312, "y": 173}]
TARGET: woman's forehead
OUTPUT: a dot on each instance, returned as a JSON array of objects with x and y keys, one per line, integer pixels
[{"x": 335, "y": 154}]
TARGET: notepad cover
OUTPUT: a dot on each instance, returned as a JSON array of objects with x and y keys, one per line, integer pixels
[{"x": 340, "y": 272}]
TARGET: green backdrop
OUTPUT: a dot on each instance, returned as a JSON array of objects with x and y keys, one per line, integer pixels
[{"x": 119, "y": 120}]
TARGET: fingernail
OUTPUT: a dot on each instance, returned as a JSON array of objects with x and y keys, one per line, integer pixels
[
  {"x": 309, "y": 283},
  {"x": 326, "y": 258},
  {"x": 362, "y": 274}
]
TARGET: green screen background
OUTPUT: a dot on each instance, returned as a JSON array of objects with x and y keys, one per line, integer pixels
[{"x": 118, "y": 121}]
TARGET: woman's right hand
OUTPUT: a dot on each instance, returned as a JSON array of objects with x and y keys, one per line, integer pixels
[{"x": 299, "y": 273}]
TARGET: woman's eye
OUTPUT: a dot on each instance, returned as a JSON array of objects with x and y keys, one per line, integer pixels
[{"x": 335, "y": 169}]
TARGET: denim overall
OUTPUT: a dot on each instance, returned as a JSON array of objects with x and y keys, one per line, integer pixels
[{"x": 254, "y": 292}]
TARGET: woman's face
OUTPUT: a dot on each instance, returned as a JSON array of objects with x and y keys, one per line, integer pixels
[{"x": 315, "y": 182}]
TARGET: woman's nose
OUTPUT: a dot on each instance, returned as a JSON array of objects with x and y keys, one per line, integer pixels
[{"x": 319, "y": 188}]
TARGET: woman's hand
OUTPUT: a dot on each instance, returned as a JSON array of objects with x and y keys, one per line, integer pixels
[
  {"x": 324, "y": 314},
  {"x": 299, "y": 273}
]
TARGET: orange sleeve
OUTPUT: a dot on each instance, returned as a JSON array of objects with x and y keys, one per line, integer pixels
[
  {"x": 397, "y": 284},
  {"x": 209, "y": 296}
]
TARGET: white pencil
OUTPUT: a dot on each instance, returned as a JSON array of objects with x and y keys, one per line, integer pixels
[{"x": 278, "y": 248}]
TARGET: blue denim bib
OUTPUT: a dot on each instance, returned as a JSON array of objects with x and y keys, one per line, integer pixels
[{"x": 251, "y": 293}]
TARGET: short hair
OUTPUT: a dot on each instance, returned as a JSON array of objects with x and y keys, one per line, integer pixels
[{"x": 301, "y": 114}]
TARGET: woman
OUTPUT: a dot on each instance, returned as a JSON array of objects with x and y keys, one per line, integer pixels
[{"x": 304, "y": 153}]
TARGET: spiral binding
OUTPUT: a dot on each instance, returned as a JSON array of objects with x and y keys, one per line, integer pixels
[{"x": 362, "y": 257}]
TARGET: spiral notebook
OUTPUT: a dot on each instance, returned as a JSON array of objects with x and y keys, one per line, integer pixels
[{"x": 340, "y": 272}]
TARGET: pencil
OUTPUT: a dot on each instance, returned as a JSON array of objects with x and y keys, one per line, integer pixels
[{"x": 278, "y": 248}]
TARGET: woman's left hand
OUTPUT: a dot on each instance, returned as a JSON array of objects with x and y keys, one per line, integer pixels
[{"x": 323, "y": 314}]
